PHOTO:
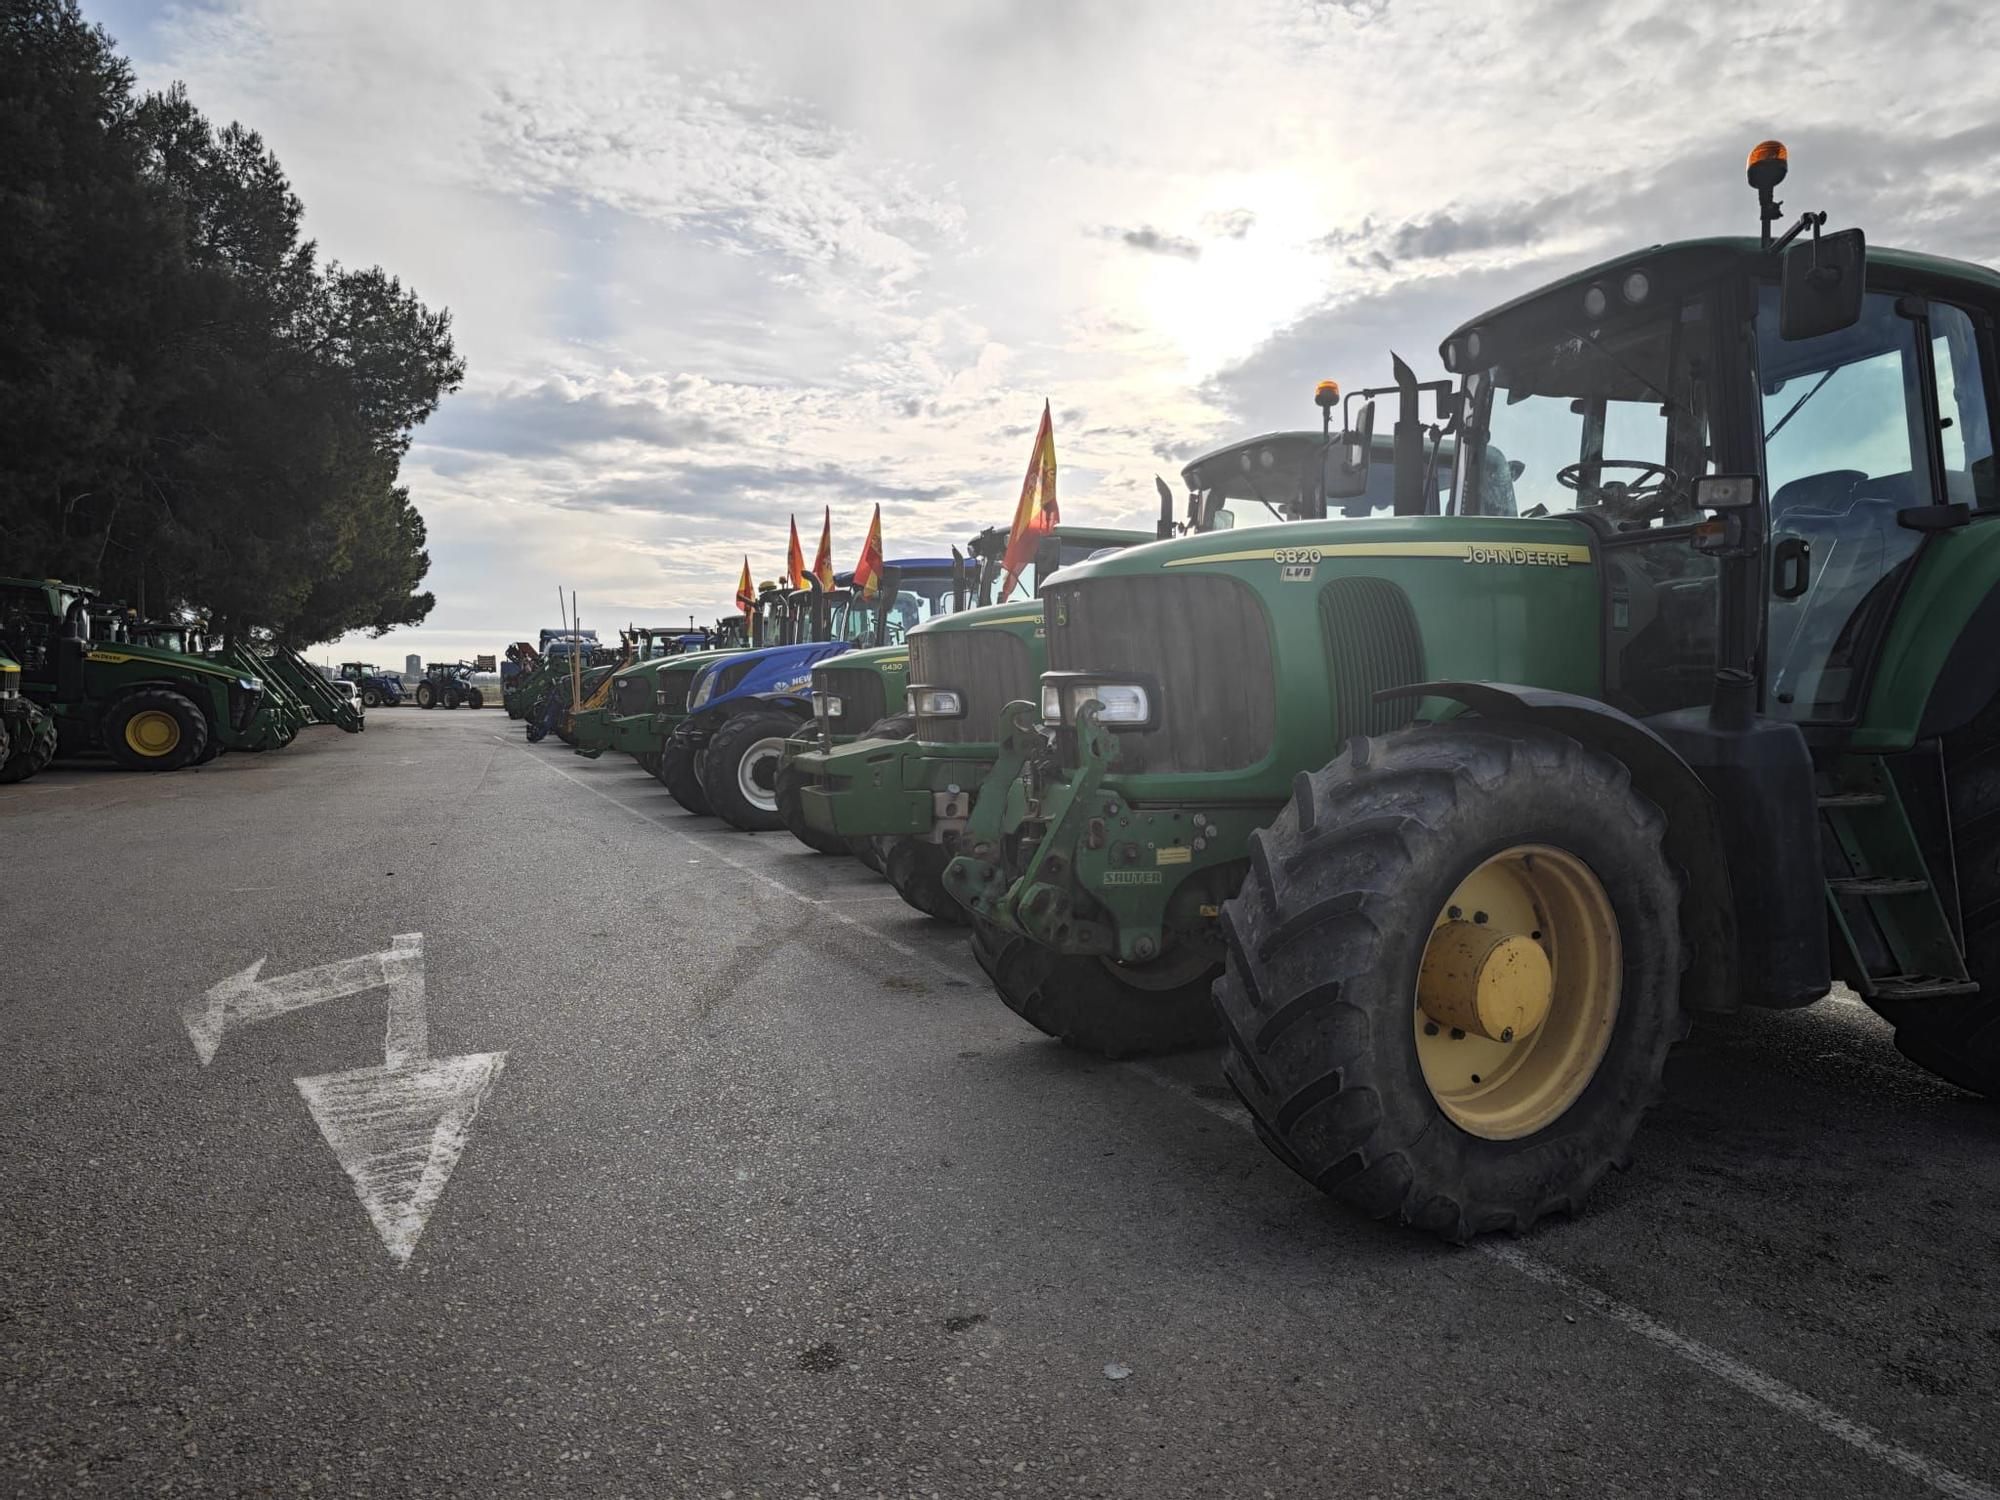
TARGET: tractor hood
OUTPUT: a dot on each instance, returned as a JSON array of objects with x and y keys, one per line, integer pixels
[
  {"x": 174, "y": 661},
  {"x": 1285, "y": 549},
  {"x": 771, "y": 669},
  {"x": 1015, "y": 615}
]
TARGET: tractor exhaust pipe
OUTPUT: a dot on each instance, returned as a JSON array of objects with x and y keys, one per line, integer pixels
[{"x": 1410, "y": 463}]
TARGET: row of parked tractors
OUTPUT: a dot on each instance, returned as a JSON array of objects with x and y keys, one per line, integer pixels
[
  {"x": 1646, "y": 669},
  {"x": 82, "y": 675}
]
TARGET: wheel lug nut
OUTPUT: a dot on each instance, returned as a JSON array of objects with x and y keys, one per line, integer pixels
[
  {"x": 1457, "y": 1035},
  {"x": 1430, "y": 1028},
  {"x": 1479, "y": 917}
]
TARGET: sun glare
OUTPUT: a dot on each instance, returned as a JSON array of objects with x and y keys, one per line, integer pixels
[{"x": 1257, "y": 271}]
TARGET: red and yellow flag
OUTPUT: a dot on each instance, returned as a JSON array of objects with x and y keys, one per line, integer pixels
[
  {"x": 868, "y": 571},
  {"x": 795, "y": 559},
  {"x": 823, "y": 561},
  {"x": 746, "y": 592},
  {"x": 1036, "y": 515}
]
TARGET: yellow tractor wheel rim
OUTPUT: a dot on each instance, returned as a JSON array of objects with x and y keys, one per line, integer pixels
[
  {"x": 1518, "y": 992},
  {"x": 153, "y": 733}
]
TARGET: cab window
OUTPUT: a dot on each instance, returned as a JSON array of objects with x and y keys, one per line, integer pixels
[{"x": 1846, "y": 435}]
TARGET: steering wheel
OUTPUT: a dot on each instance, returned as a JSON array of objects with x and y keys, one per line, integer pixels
[{"x": 1647, "y": 494}]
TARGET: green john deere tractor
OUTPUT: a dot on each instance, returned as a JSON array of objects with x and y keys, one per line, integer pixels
[
  {"x": 150, "y": 708},
  {"x": 860, "y": 779},
  {"x": 862, "y": 695},
  {"x": 1686, "y": 701},
  {"x": 901, "y": 799},
  {"x": 27, "y": 732},
  {"x": 624, "y": 722}
]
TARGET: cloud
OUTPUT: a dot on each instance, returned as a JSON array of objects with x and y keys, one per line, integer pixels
[
  {"x": 739, "y": 489},
  {"x": 1230, "y": 224},
  {"x": 556, "y": 417},
  {"x": 1155, "y": 241}
]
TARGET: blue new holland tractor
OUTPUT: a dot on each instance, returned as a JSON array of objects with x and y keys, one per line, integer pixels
[{"x": 743, "y": 707}]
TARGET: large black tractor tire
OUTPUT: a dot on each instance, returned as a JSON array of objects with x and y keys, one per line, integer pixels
[
  {"x": 370, "y": 698},
  {"x": 677, "y": 775},
  {"x": 792, "y": 809},
  {"x": 30, "y": 737},
  {"x": 1362, "y": 876},
  {"x": 869, "y": 852},
  {"x": 1959, "y": 1040},
  {"x": 1098, "y": 1006},
  {"x": 915, "y": 867},
  {"x": 155, "y": 729},
  {"x": 474, "y": 698},
  {"x": 209, "y": 753},
  {"x": 426, "y": 695},
  {"x": 739, "y": 770},
  {"x": 649, "y": 762}
]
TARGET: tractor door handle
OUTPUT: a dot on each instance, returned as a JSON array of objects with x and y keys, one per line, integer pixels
[{"x": 1791, "y": 567}]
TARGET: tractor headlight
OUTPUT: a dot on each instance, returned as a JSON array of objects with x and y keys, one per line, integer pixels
[
  {"x": 830, "y": 704},
  {"x": 10, "y": 682},
  {"x": 1119, "y": 704},
  {"x": 250, "y": 684},
  {"x": 704, "y": 690},
  {"x": 937, "y": 703}
]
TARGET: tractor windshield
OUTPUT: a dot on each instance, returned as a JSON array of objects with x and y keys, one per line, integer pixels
[
  {"x": 1606, "y": 419},
  {"x": 1279, "y": 478},
  {"x": 917, "y": 599}
]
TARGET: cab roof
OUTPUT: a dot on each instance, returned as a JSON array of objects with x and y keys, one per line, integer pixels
[{"x": 1687, "y": 261}]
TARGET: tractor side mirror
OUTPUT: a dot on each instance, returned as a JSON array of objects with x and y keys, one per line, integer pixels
[
  {"x": 1349, "y": 458},
  {"x": 1822, "y": 283}
]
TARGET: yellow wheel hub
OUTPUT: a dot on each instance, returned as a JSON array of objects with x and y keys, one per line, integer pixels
[
  {"x": 1518, "y": 991},
  {"x": 151, "y": 732}
]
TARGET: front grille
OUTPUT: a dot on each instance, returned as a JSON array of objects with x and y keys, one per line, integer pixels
[
  {"x": 988, "y": 668},
  {"x": 1199, "y": 642},
  {"x": 631, "y": 695},
  {"x": 1372, "y": 642},
  {"x": 673, "y": 691},
  {"x": 863, "y": 699}
]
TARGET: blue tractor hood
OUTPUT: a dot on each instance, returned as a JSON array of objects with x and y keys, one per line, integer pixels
[{"x": 757, "y": 674}]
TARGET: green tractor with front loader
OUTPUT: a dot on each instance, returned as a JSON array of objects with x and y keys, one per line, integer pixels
[
  {"x": 1686, "y": 700},
  {"x": 148, "y": 707}
]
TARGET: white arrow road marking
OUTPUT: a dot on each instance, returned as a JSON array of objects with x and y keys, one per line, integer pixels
[
  {"x": 397, "y": 1130},
  {"x": 244, "y": 999}
]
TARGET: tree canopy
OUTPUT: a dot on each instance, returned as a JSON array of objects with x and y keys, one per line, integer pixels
[{"x": 194, "y": 411}]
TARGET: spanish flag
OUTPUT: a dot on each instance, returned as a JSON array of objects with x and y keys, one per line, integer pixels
[
  {"x": 823, "y": 562},
  {"x": 1036, "y": 515},
  {"x": 746, "y": 592},
  {"x": 868, "y": 571},
  {"x": 795, "y": 559}
]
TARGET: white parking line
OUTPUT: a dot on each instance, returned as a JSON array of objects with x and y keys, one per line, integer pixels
[{"x": 1751, "y": 1381}]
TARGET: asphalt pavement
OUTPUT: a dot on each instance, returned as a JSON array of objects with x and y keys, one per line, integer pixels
[{"x": 560, "y": 1143}]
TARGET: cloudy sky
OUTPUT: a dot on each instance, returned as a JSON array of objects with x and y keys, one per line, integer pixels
[{"x": 713, "y": 263}]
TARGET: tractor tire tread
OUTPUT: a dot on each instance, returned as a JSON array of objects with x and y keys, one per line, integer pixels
[
  {"x": 1322, "y": 944},
  {"x": 677, "y": 775},
  {"x": 726, "y": 747}
]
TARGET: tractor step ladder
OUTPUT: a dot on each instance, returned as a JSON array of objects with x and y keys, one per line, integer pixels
[{"x": 1879, "y": 889}]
